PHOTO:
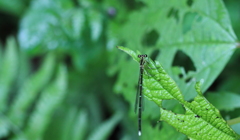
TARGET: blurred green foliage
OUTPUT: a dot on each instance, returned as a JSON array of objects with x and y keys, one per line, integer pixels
[{"x": 60, "y": 74}]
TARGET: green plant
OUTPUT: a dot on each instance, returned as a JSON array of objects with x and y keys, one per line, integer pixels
[
  {"x": 192, "y": 39},
  {"x": 201, "y": 119},
  {"x": 35, "y": 100}
]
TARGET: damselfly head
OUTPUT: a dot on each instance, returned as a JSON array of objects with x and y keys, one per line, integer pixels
[{"x": 142, "y": 55}]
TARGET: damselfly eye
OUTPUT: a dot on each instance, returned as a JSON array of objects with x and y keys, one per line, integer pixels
[
  {"x": 139, "y": 56},
  {"x": 145, "y": 55}
]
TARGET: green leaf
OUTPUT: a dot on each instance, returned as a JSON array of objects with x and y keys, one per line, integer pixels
[
  {"x": 224, "y": 100},
  {"x": 167, "y": 132},
  {"x": 202, "y": 31},
  {"x": 69, "y": 121},
  {"x": 15, "y": 7},
  {"x": 80, "y": 126},
  {"x": 130, "y": 52},
  {"x": 104, "y": 130},
  {"x": 8, "y": 71},
  {"x": 30, "y": 89},
  {"x": 236, "y": 127},
  {"x": 51, "y": 97},
  {"x": 201, "y": 119},
  {"x": 1, "y": 53},
  {"x": 54, "y": 31},
  {"x": 77, "y": 23},
  {"x": 96, "y": 24},
  {"x": 4, "y": 126}
]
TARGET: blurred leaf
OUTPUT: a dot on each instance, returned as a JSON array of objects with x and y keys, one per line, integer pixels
[
  {"x": 202, "y": 31},
  {"x": 8, "y": 71},
  {"x": 201, "y": 120},
  {"x": 23, "y": 70},
  {"x": 50, "y": 98},
  {"x": 77, "y": 23},
  {"x": 1, "y": 53},
  {"x": 95, "y": 24},
  {"x": 236, "y": 128},
  {"x": 4, "y": 126},
  {"x": 15, "y": 7},
  {"x": 63, "y": 4},
  {"x": 233, "y": 10},
  {"x": 30, "y": 89},
  {"x": 230, "y": 81},
  {"x": 103, "y": 131},
  {"x": 68, "y": 123},
  {"x": 167, "y": 132},
  {"x": 52, "y": 31},
  {"x": 224, "y": 100},
  {"x": 66, "y": 30},
  {"x": 80, "y": 126}
]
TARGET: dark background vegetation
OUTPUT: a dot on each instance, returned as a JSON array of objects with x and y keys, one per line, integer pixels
[{"x": 89, "y": 106}]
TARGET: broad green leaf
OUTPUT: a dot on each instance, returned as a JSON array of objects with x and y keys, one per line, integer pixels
[
  {"x": 30, "y": 89},
  {"x": 201, "y": 30},
  {"x": 50, "y": 98},
  {"x": 224, "y": 100},
  {"x": 201, "y": 119},
  {"x": 8, "y": 71}
]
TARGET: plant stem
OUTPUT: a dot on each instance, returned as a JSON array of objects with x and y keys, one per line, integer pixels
[{"x": 233, "y": 121}]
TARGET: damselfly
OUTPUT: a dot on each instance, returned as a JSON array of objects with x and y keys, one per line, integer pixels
[{"x": 139, "y": 95}]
